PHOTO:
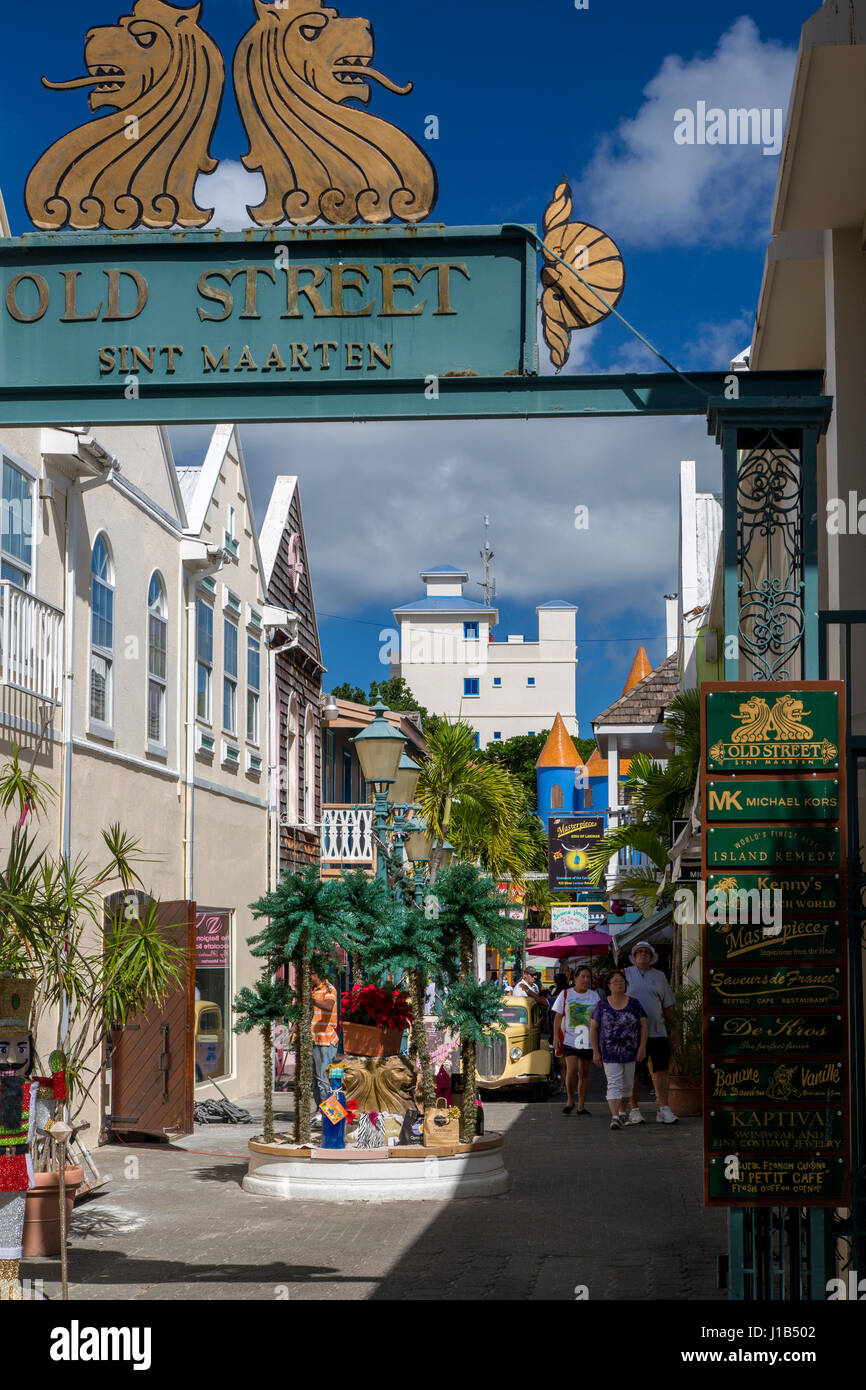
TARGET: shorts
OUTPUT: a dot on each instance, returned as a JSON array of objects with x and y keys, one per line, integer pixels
[
  {"x": 620, "y": 1078},
  {"x": 658, "y": 1051},
  {"x": 585, "y": 1053}
]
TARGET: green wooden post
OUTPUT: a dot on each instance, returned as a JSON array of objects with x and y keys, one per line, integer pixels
[{"x": 769, "y": 445}]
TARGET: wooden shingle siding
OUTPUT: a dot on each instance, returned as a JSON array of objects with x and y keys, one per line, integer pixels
[{"x": 299, "y": 674}]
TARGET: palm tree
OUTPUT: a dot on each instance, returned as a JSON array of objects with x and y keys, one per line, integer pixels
[
  {"x": 270, "y": 1002},
  {"x": 659, "y": 793},
  {"x": 475, "y": 804},
  {"x": 307, "y": 921},
  {"x": 409, "y": 944},
  {"x": 368, "y": 904},
  {"x": 469, "y": 909}
]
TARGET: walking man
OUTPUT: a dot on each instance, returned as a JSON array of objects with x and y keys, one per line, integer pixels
[
  {"x": 652, "y": 990},
  {"x": 325, "y": 1038}
]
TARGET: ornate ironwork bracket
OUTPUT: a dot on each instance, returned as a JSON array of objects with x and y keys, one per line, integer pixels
[{"x": 770, "y": 504}]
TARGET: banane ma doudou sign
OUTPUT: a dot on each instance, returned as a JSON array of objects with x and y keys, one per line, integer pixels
[{"x": 775, "y": 991}]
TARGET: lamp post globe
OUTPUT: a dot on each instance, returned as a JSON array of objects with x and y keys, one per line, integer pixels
[
  {"x": 406, "y": 783},
  {"x": 379, "y": 747}
]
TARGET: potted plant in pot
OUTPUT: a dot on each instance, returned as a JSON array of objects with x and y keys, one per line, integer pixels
[
  {"x": 685, "y": 1096},
  {"x": 374, "y": 1021},
  {"x": 86, "y": 977}
]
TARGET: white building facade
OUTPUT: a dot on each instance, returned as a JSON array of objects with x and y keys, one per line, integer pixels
[{"x": 452, "y": 664}]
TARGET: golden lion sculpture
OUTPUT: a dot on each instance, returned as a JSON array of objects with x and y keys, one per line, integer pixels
[
  {"x": 757, "y": 720},
  {"x": 387, "y": 1084},
  {"x": 294, "y": 72},
  {"x": 165, "y": 76},
  {"x": 788, "y": 714}
]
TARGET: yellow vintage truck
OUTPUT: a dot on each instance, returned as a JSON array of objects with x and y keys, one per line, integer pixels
[{"x": 516, "y": 1054}]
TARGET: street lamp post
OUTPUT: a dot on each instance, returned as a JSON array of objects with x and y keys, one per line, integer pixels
[{"x": 380, "y": 748}]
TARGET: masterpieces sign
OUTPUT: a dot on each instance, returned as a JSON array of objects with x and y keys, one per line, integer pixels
[
  {"x": 776, "y": 1101},
  {"x": 115, "y": 325},
  {"x": 570, "y": 840}
]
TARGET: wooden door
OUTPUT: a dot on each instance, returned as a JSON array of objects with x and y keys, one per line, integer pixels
[{"x": 152, "y": 1064}]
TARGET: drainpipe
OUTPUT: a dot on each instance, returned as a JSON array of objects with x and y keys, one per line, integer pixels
[
  {"x": 74, "y": 492},
  {"x": 216, "y": 556},
  {"x": 274, "y": 753}
]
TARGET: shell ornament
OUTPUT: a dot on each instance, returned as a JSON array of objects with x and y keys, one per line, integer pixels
[{"x": 567, "y": 304}]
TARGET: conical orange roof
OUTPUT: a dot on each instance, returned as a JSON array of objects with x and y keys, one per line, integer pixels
[
  {"x": 559, "y": 750},
  {"x": 597, "y": 765},
  {"x": 640, "y": 667}
]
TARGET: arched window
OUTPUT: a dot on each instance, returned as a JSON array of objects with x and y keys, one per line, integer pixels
[
  {"x": 292, "y": 762},
  {"x": 157, "y": 651},
  {"x": 309, "y": 768},
  {"x": 556, "y": 798},
  {"x": 101, "y": 633}
]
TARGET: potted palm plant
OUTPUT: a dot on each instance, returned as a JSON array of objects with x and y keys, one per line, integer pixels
[
  {"x": 88, "y": 978},
  {"x": 685, "y": 1096}
]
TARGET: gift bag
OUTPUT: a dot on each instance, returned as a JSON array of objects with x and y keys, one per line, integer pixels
[
  {"x": 411, "y": 1130},
  {"x": 371, "y": 1131},
  {"x": 441, "y": 1124}
]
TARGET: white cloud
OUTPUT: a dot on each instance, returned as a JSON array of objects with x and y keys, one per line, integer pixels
[
  {"x": 645, "y": 189},
  {"x": 382, "y": 500},
  {"x": 229, "y": 192}
]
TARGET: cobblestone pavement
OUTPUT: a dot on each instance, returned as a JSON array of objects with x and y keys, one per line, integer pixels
[{"x": 617, "y": 1212}]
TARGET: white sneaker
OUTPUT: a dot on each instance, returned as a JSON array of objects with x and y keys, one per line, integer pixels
[
  {"x": 635, "y": 1117},
  {"x": 666, "y": 1116}
]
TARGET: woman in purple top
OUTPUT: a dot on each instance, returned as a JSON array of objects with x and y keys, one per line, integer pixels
[{"x": 618, "y": 1034}]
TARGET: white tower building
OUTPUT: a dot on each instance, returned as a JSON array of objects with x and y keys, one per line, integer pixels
[{"x": 453, "y": 666}]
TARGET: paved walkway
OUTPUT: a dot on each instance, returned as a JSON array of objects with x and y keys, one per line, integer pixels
[{"x": 619, "y": 1213}]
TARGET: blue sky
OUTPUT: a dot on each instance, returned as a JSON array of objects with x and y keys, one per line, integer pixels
[{"x": 524, "y": 94}]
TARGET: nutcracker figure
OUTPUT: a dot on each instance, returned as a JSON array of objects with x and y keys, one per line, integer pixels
[{"x": 27, "y": 1106}]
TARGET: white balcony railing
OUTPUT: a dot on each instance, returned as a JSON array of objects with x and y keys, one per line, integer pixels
[
  {"x": 31, "y": 643},
  {"x": 347, "y": 834}
]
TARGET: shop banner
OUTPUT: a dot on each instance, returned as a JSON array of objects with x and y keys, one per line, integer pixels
[
  {"x": 775, "y": 1035},
  {"x": 784, "y": 798},
  {"x": 802, "y": 891},
  {"x": 819, "y": 1082},
  {"x": 212, "y": 938},
  {"x": 769, "y": 986},
  {"x": 775, "y": 944},
  {"x": 570, "y": 840},
  {"x": 756, "y": 847},
  {"x": 773, "y": 727},
  {"x": 819, "y": 1181},
  {"x": 813, "y": 938},
  {"x": 794, "y": 1130},
  {"x": 569, "y": 918}
]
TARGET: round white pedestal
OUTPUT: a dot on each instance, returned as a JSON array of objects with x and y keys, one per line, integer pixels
[{"x": 377, "y": 1175}]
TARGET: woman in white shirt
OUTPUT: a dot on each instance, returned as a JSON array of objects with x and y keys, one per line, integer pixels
[{"x": 573, "y": 1012}]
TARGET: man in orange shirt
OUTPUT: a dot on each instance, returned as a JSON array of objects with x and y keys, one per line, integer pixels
[{"x": 326, "y": 1036}]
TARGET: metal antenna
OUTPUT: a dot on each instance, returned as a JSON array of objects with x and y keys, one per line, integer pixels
[{"x": 488, "y": 583}]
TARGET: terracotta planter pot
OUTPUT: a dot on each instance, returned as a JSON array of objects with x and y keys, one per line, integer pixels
[
  {"x": 686, "y": 1097},
  {"x": 42, "y": 1211},
  {"x": 359, "y": 1040}
]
